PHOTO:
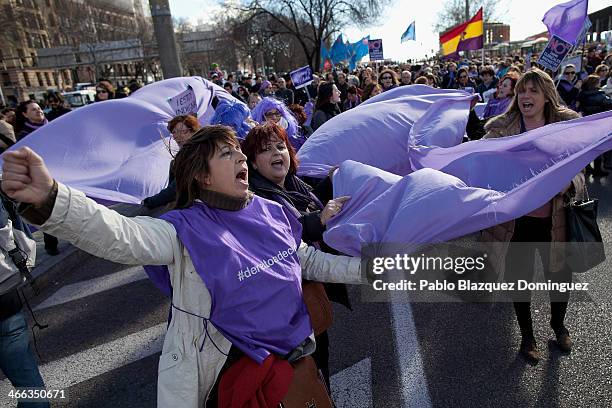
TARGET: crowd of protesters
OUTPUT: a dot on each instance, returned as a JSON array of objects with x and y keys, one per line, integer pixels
[{"x": 281, "y": 118}]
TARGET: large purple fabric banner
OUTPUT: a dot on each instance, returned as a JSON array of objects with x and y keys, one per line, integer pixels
[
  {"x": 566, "y": 19},
  {"x": 463, "y": 189},
  {"x": 379, "y": 131},
  {"x": 113, "y": 150}
]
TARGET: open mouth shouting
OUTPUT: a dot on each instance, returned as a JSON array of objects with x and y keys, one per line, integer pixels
[
  {"x": 527, "y": 106},
  {"x": 242, "y": 177},
  {"x": 278, "y": 164}
]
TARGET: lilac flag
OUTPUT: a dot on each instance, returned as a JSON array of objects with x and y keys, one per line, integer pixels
[
  {"x": 379, "y": 131},
  {"x": 113, "y": 150},
  {"x": 566, "y": 19},
  {"x": 463, "y": 189}
]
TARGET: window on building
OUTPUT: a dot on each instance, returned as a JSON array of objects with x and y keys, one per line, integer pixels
[
  {"x": 48, "y": 79},
  {"x": 26, "y": 79},
  {"x": 40, "y": 79},
  {"x": 6, "y": 79}
]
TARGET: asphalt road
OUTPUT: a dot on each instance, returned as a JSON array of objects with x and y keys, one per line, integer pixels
[{"x": 106, "y": 325}]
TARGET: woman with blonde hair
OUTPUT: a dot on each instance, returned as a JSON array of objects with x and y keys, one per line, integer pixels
[{"x": 535, "y": 104}]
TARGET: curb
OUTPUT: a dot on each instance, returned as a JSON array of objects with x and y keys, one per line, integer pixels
[{"x": 48, "y": 272}]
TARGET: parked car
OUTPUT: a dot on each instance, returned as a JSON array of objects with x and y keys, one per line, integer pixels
[{"x": 76, "y": 99}]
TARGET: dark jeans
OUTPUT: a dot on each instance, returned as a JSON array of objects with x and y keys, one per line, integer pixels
[
  {"x": 520, "y": 264},
  {"x": 17, "y": 361}
]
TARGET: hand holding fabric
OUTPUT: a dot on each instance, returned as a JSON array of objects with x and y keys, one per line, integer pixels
[
  {"x": 332, "y": 208},
  {"x": 25, "y": 177}
]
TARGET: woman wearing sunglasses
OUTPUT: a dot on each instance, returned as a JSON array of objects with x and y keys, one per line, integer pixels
[
  {"x": 104, "y": 91},
  {"x": 388, "y": 80}
]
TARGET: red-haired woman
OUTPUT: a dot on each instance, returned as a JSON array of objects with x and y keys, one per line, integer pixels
[{"x": 272, "y": 174}]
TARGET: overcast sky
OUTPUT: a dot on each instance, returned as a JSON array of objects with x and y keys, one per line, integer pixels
[{"x": 524, "y": 17}]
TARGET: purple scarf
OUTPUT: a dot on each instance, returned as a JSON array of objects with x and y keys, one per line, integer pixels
[
  {"x": 34, "y": 126},
  {"x": 249, "y": 263}
]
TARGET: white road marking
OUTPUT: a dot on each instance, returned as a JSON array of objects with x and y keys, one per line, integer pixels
[
  {"x": 90, "y": 287},
  {"x": 413, "y": 382}
]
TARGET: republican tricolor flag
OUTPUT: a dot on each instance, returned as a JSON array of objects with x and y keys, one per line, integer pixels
[{"x": 466, "y": 36}]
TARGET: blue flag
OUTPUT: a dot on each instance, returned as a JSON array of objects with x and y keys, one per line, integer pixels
[
  {"x": 339, "y": 51},
  {"x": 358, "y": 50},
  {"x": 409, "y": 34}
]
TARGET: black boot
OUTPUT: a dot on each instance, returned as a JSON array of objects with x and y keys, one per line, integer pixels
[
  {"x": 529, "y": 349},
  {"x": 557, "y": 318}
]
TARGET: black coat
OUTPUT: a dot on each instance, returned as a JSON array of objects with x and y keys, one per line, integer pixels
[
  {"x": 307, "y": 203},
  {"x": 56, "y": 113},
  {"x": 323, "y": 114},
  {"x": 591, "y": 102}
]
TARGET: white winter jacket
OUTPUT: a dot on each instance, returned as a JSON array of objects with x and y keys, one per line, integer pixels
[{"x": 185, "y": 375}]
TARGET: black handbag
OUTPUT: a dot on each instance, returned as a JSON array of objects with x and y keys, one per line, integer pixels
[{"x": 585, "y": 248}]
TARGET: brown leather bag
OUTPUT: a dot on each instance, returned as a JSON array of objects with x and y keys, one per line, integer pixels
[
  {"x": 307, "y": 389},
  {"x": 318, "y": 305}
]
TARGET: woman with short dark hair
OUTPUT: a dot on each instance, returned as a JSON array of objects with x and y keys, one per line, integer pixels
[
  {"x": 230, "y": 261},
  {"x": 326, "y": 107},
  {"x": 104, "y": 91},
  {"x": 56, "y": 102},
  {"x": 28, "y": 117}
]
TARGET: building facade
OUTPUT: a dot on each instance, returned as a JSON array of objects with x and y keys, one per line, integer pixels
[
  {"x": 35, "y": 31},
  {"x": 496, "y": 33}
]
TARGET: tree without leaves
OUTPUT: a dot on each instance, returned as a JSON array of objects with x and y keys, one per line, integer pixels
[
  {"x": 311, "y": 22},
  {"x": 82, "y": 27},
  {"x": 454, "y": 12},
  {"x": 256, "y": 38}
]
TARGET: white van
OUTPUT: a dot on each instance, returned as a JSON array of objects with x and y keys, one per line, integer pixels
[{"x": 77, "y": 99}]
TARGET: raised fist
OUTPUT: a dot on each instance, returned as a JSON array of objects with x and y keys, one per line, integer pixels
[{"x": 25, "y": 177}]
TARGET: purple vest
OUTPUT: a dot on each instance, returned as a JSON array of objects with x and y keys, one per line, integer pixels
[{"x": 249, "y": 263}]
